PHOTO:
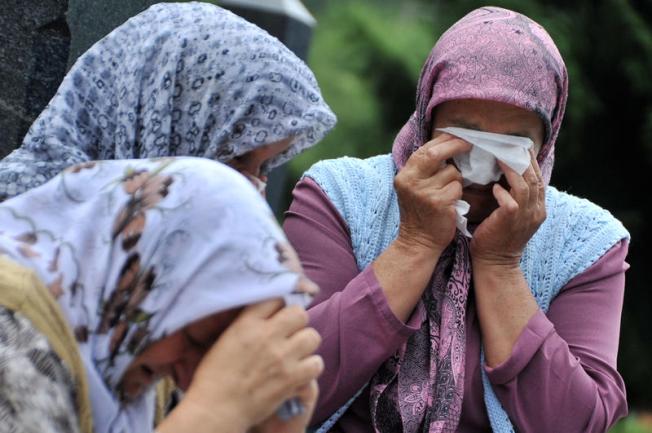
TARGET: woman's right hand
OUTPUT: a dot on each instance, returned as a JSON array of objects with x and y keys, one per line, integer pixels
[
  {"x": 428, "y": 188},
  {"x": 308, "y": 398},
  {"x": 265, "y": 357}
]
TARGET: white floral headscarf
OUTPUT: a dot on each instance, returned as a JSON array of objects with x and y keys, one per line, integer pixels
[{"x": 134, "y": 250}]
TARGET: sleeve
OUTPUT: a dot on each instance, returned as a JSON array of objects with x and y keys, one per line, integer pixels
[
  {"x": 561, "y": 375},
  {"x": 359, "y": 331},
  {"x": 37, "y": 392}
]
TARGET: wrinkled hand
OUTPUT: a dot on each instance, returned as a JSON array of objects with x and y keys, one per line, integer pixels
[
  {"x": 427, "y": 188},
  {"x": 501, "y": 238},
  {"x": 265, "y": 357},
  {"x": 298, "y": 424}
]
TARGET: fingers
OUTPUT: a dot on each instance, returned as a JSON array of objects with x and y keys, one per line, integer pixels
[
  {"x": 309, "y": 393},
  {"x": 447, "y": 175},
  {"x": 519, "y": 187},
  {"x": 532, "y": 182},
  {"x": 303, "y": 343},
  {"x": 529, "y": 189},
  {"x": 288, "y": 321},
  {"x": 263, "y": 309},
  {"x": 307, "y": 369},
  {"x": 306, "y": 285},
  {"x": 505, "y": 200},
  {"x": 540, "y": 184},
  {"x": 433, "y": 185},
  {"x": 428, "y": 159},
  {"x": 450, "y": 193}
]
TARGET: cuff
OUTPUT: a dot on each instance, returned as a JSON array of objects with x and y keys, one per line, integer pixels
[
  {"x": 528, "y": 343},
  {"x": 393, "y": 323}
]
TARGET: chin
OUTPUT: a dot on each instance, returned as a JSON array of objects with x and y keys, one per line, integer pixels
[
  {"x": 477, "y": 218},
  {"x": 482, "y": 205}
]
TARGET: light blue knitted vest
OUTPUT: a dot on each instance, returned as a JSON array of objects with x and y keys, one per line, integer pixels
[{"x": 575, "y": 234}]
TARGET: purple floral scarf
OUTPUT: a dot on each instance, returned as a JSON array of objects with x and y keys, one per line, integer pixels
[{"x": 490, "y": 54}]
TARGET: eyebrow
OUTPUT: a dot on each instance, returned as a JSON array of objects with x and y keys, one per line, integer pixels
[{"x": 471, "y": 125}]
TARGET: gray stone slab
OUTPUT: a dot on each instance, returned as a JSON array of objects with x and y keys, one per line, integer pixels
[{"x": 34, "y": 41}]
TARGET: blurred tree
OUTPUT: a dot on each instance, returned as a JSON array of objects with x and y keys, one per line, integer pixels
[{"x": 367, "y": 57}]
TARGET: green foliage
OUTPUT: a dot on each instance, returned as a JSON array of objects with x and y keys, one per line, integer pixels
[
  {"x": 367, "y": 57},
  {"x": 630, "y": 425},
  {"x": 367, "y": 61}
]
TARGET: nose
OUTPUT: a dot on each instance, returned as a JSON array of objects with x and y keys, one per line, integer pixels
[
  {"x": 184, "y": 369},
  {"x": 182, "y": 377}
]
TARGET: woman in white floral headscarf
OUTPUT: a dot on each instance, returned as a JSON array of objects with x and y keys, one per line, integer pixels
[{"x": 143, "y": 264}]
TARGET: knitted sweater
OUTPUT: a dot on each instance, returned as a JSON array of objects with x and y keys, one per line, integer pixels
[{"x": 575, "y": 234}]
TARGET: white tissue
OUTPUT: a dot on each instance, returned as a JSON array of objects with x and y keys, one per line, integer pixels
[
  {"x": 462, "y": 208},
  {"x": 480, "y": 166}
]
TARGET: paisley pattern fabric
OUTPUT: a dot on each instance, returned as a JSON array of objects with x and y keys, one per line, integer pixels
[
  {"x": 134, "y": 250},
  {"x": 490, "y": 54},
  {"x": 435, "y": 350},
  {"x": 179, "y": 79}
]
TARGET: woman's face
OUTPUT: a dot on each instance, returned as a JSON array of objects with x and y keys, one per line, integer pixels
[
  {"x": 250, "y": 163},
  {"x": 488, "y": 116},
  {"x": 176, "y": 355}
]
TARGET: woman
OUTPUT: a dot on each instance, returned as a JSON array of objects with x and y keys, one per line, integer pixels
[
  {"x": 179, "y": 79},
  {"x": 185, "y": 79},
  {"x": 118, "y": 273},
  {"x": 515, "y": 328}
]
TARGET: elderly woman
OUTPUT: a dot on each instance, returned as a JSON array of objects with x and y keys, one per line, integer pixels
[
  {"x": 180, "y": 79},
  {"x": 429, "y": 324},
  {"x": 116, "y": 274}
]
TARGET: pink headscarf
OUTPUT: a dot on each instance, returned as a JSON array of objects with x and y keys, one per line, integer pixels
[{"x": 491, "y": 54}]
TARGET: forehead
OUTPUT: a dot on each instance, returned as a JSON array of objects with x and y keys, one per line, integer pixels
[{"x": 490, "y": 116}]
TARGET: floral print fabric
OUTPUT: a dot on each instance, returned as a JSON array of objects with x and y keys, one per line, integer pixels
[{"x": 134, "y": 250}]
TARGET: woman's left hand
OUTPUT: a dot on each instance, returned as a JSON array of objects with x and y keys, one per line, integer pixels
[
  {"x": 308, "y": 396},
  {"x": 501, "y": 238}
]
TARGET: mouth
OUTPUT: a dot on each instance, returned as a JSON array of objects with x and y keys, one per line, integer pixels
[{"x": 479, "y": 189}]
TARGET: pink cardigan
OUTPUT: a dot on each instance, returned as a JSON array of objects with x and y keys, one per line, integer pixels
[{"x": 561, "y": 376}]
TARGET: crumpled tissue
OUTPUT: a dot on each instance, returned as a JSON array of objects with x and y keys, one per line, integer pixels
[{"x": 480, "y": 165}]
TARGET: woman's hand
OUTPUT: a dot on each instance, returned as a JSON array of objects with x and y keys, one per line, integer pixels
[
  {"x": 428, "y": 188},
  {"x": 298, "y": 424},
  {"x": 265, "y": 357},
  {"x": 501, "y": 238},
  {"x": 503, "y": 299}
]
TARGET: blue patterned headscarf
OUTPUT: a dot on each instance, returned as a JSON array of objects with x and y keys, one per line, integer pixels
[{"x": 180, "y": 79}]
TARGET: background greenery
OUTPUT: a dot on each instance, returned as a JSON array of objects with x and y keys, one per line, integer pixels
[{"x": 367, "y": 57}]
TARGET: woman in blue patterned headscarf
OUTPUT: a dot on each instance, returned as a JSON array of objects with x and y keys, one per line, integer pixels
[{"x": 185, "y": 79}]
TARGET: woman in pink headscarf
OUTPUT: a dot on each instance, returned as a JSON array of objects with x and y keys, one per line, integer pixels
[{"x": 426, "y": 327}]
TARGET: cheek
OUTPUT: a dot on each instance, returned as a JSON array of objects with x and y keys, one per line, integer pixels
[
  {"x": 164, "y": 356},
  {"x": 184, "y": 370}
]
